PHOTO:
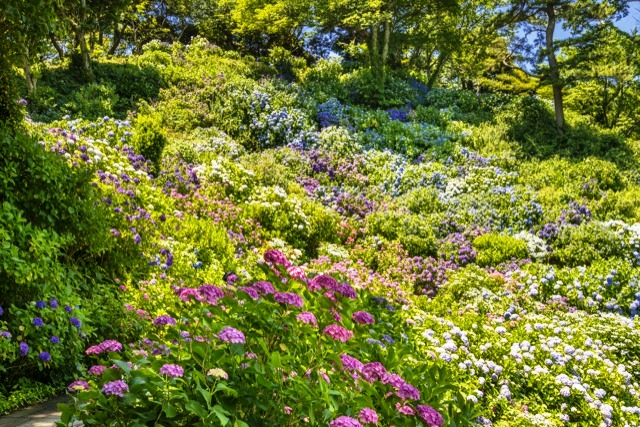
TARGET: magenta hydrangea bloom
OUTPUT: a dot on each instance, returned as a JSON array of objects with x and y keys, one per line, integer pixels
[
  {"x": 96, "y": 370},
  {"x": 185, "y": 294},
  {"x": 164, "y": 320},
  {"x": 110, "y": 345},
  {"x": 407, "y": 391},
  {"x": 404, "y": 409},
  {"x": 308, "y": 318},
  {"x": 430, "y": 416},
  {"x": 323, "y": 281},
  {"x": 173, "y": 371},
  {"x": 373, "y": 371},
  {"x": 276, "y": 257},
  {"x": 296, "y": 273},
  {"x": 351, "y": 363},
  {"x": 345, "y": 422},
  {"x": 363, "y": 318},
  {"x": 232, "y": 335},
  {"x": 115, "y": 388},
  {"x": 210, "y": 293},
  {"x": 338, "y": 333},
  {"x": 393, "y": 379},
  {"x": 253, "y": 294},
  {"x": 368, "y": 416},
  {"x": 78, "y": 386},
  {"x": 264, "y": 288},
  {"x": 289, "y": 298},
  {"x": 94, "y": 349},
  {"x": 347, "y": 291}
]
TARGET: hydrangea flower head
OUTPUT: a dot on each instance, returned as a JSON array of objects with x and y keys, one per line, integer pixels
[
  {"x": 78, "y": 386},
  {"x": 337, "y": 333},
  {"x": 163, "y": 321},
  {"x": 289, "y": 298},
  {"x": 368, "y": 416},
  {"x": 232, "y": 335},
  {"x": 345, "y": 422},
  {"x": 276, "y": 257},
  {"x": 430, "y": 416},
  {"x": 115, "y": 388},
  {"x": 363, "y": 318},
  {"x": 308, "y": 318},
  {"x": 173, "y": 371}
]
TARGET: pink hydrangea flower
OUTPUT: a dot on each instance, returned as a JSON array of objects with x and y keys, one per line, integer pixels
[
  {"x": 338, "y": 333},
  {"x": 368, "y": 416},
  {"x": 430, "y": 416},
  {"x": 345, "y": 422},
  {"x": 363, "y": 318}
]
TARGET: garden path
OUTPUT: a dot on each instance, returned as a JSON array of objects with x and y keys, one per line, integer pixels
[{"x": 43, "y": 415}]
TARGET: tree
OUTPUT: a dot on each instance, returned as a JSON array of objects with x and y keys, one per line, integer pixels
[{"x": 583, "y": 19}]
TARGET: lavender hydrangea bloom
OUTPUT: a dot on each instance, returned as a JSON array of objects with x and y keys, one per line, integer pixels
[
  {"x": 289, "y": 298},
  {"x": 373, "y": 371},
  {"x": 264, "y": 288},
  {"x": 37, "y": 322},
  {"x": 308, "y": 318},
  {"x": 44, "y": 356},
  {"x": 115, "y": 388},
  {"x": 75, "y": 322},
  {"x": 24, "y": 348},
  {"x": 53, "y": 303},
  {"x": 54, "y": 339},
  {"x": 173, "y": 371},
  {"x": 430, "y": 416},
  {"x": 363, "y": 318},
  {"x": 407, "y": 391},
  {"x": 345, "y": 422},
  {"x": 338, "y": 333},
  {"x": 96, "y": 370},
  {"x": 5, "y": 334},
  {"x": 351, "y": 363},
  {"x": 323, "y": 281},
  {"x": 78, "y": 386},
  {"x": 163, "y": 321},
  {"x": 41, "y": 304},
  {"x": 368, "y": 416},
  {"x": 232, "y": 335},
  {"x": 276, "y": 257},
  {"x": 253, "y": 294}
]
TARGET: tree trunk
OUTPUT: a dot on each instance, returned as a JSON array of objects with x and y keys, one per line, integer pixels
[
  {"x": 31, "y": 81},
  {"x": 385, "y": 46},
  {"x": 82, "y": 42},
  {"x": 554, "y": 73},
  {"x": 442, "y": 59},
  {"x": 56, "y": 45},
  {"x": 374, "y": 50},
  {"x": 117, "y": 37}
]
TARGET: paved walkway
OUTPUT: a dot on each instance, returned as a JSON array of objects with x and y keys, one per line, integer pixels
[{"x": 43, "y": 415}]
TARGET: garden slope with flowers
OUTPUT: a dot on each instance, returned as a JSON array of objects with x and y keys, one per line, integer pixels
[{"x": 277, "y": 253}]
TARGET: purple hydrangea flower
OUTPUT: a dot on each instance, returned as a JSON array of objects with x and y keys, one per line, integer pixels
[
  {"x": 289, "y": 298},
  {"x": 338, "y": 333},
  {"x": 37, "y": 322},
  {"x": 363, "y": 318},
  {"x": 164, "y": 320},
  {"x": 345, "y": 422},
  {"x": 250, "y": 291},
  {"x": 75, "y": 322},
  {"x": 373, "y": 371},
  {"x": 54, "y": 339},
  {"x": 430, "y": 416},
  {"x": 263, "y": 288},
  {"x": 68, "y": 309},
  {"x": 368, "y": 416},
  {"x": 53, "y": 303},
  {"x": 276, "y": 257},
  {"x": 173, "y": 371},
  {"x": 115, "y": 388},
  {"x": 24, "y": 348},
  {"x": 1, "y": 311},
  {"x": 41, "y": 304},
  {"x": 78, "y": 386},
  {"x": 232, "y": 335},
  {"x": 351, "y": 363},
  {"x": 407, "y": 391},
  {"x": 44, "y": 356},
  {"x": 323, "y": 281},
  {"x": 308, "y": 318},
  {"x": 96, "y": 370},
  {"x": 5, "y": 334}
]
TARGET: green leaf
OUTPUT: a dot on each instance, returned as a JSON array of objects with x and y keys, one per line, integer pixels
[
  {"x": 169, "y": 410},
  {"x": 196, "y": 408}
]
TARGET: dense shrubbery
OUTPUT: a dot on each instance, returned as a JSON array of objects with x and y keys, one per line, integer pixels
[{"x": 461, "y": 262}]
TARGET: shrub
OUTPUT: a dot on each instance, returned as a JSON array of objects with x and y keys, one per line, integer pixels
[
  {"x": 586, "y": 243},
  {"x": 494, "y": 249},
  {"x": 93, "y": 101},
  {"x": 149, "y": 137}
]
